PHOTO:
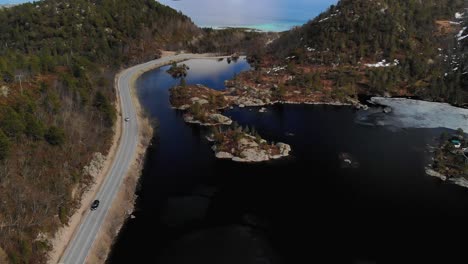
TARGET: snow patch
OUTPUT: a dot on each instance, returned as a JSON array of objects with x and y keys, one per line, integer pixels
[
  {"x": 461, "y": 32},
  {"x": 325, "y": 19},
  {"x": 384, "y": 63},
  {"x": 408, "y": 113},
  {"x": 276, "y": 69}
]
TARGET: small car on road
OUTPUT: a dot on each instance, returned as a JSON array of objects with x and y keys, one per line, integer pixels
[
  {"x": 127, "y": 119},
  {"x": 94, "y": 205}
]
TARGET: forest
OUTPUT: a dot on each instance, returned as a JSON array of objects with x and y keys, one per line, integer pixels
[
  {"x": 422, "y": 35},
  {"x": 58, "y": 59},
  {"x": 57, "y": 65}
]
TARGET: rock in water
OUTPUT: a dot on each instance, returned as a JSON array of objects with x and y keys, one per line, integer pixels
[{"x": 284, "y": 148}]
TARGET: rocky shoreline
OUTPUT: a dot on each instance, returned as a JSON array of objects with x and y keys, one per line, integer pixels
[
  {"x": 460, "y": 181},
  {"x": 450, "y": 159},
  {"x": 213, "y": 120},
  {"x": 202, "y": 106}
]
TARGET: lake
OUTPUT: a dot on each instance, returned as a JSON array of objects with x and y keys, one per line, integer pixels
[
  {"x": 193, "y": 208},
  {"x": 267, "y": 15}
]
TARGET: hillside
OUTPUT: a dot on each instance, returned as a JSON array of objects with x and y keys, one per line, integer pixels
[
  {"x": 58, "y": 59},
  {"x": 395, "y": 47}
]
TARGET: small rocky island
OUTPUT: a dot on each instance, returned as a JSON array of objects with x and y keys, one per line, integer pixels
[
  {"x": 202, "y": 105},
  {"x": 450, "y": 161},
  {"x": 241, "y": 145},
  {"x": 178, "y": 71}
]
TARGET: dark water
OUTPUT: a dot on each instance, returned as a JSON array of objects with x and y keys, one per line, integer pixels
[{"x": 193, "y": 208}]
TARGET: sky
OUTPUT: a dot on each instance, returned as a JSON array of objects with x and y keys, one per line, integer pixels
[
  {"x": 269, "y": 15},
  {"x": 3, "y": 2}
]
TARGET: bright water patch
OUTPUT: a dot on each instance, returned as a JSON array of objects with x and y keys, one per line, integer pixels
[
  {"x": 408, "y": 113},
  {"x": 266, "y": 15}
]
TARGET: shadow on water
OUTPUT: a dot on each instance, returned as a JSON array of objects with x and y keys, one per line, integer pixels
[{"x": 193, "y": 208}]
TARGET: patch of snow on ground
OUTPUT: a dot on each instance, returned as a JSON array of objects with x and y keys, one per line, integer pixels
[
  {"x": 408, "y": 113},
  {"x": 322, "y": 20},
  {"x": 461, "y": 32},
  {"x": 384, "y": 63}
]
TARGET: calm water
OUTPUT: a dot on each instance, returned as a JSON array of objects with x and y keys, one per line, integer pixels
[
  {"x": 268, "y": 15},
  {"x": 193, "y": 208}
]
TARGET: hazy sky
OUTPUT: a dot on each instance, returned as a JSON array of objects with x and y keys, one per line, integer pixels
[
  {"x": 249, "y": 12},
  {"x": 2, "y": 2},
  {"x": 267, "y": 14}
]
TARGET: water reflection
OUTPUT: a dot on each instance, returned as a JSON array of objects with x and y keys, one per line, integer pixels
[{"x": 214, "y": 75}]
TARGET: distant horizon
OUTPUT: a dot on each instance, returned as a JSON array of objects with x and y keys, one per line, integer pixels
[{"x": 265, "y": 15}]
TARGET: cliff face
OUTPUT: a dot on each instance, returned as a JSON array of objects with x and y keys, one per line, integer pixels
[{"x": 57, "y": 66}]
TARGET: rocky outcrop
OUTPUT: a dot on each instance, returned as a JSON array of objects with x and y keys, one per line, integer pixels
[
  {"x": 182, "y": 107},
  {"x": 4, "y": 91},
  {"x": 249, "y": 149},
  {"x": 436, "y": 174},
  {"x": 460, "y": 181},
  {"x": 284, "y": 149},
  {"x": 200, "y": 101},
  {"x": 220, "y": 119},
  {"x": 248, "y": 101},
  {"x": 212, "y": 120},
  {"x": 95, "y": 166},
  {"x": 252, "y": 155},
  {"x": 224, "y": 155}
]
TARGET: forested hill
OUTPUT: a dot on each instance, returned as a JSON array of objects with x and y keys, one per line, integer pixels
[
  {"x": 57, "y": 64},
  {"x": 100, "y": 30},
  {"x": 423, "y": 35}
]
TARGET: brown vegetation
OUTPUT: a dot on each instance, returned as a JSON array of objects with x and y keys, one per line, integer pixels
[
  {"x": 42, "y": 179},
  {"x": 57, "y": 104}
]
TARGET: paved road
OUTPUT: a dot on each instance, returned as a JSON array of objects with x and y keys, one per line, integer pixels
[{"x": 84, "y": 237}]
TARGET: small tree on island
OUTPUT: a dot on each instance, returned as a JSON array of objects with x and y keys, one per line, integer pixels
[{"x": 183, "y": 82}]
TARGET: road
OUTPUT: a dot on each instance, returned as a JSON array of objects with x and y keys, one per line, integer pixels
[{"x": 84, "y": 237}]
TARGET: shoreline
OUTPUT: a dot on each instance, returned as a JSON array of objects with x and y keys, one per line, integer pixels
[
  {"x": 123, "y": 204},
  {"x": 63, "y": 236}
]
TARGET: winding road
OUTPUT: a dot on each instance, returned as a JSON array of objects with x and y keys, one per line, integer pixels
[{"x": 86, "y": 233}]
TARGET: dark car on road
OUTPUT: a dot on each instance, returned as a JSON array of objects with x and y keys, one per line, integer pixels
[{"x": 94, "y": 205}]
